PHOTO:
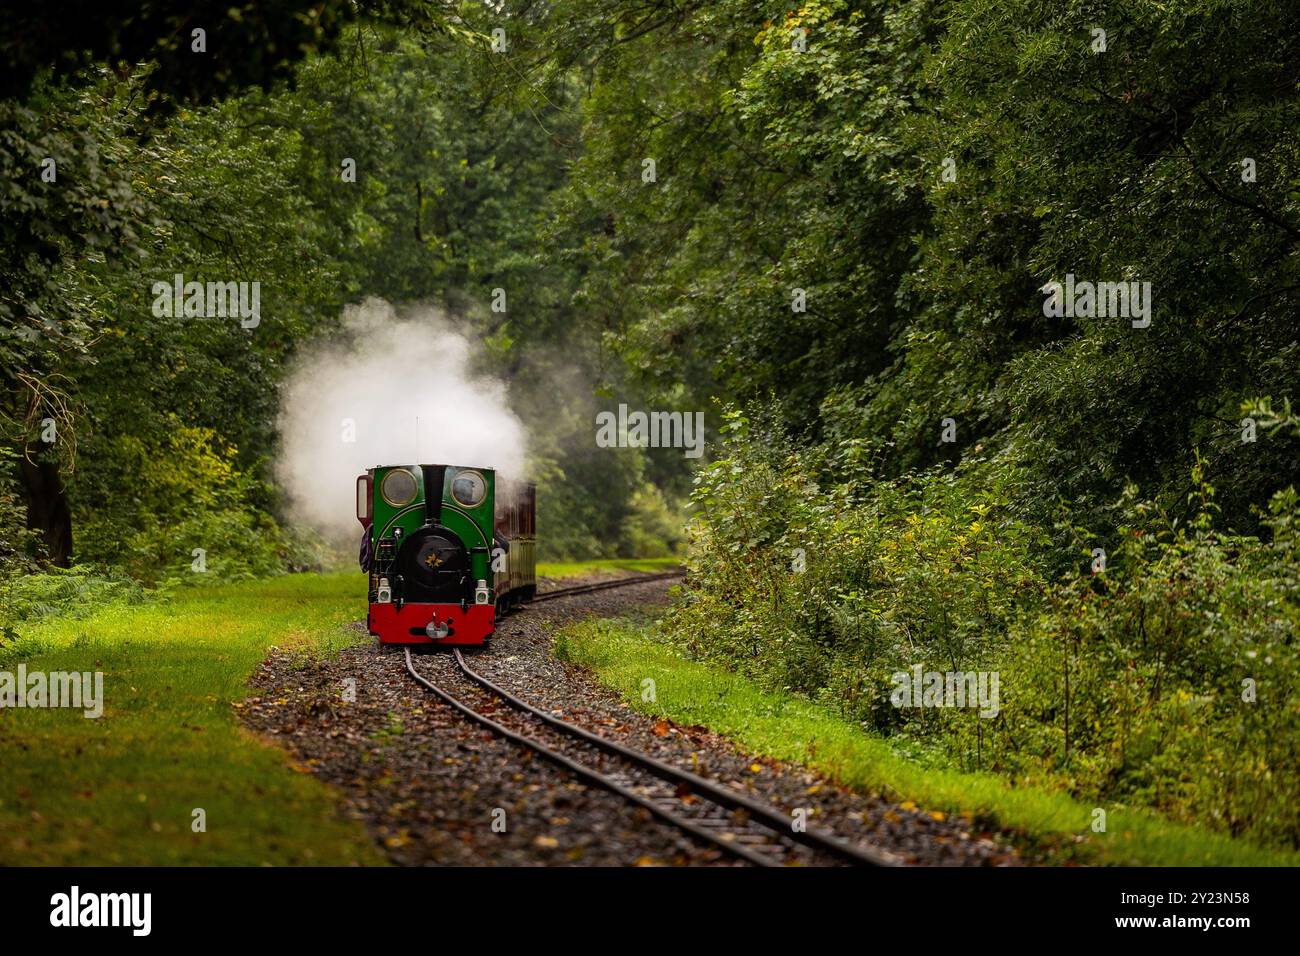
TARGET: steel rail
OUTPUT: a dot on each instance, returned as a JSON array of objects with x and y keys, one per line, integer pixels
[
  {"x": 776, "y": 821},
  {"x": 601, "y": 586},
  {"x": 592, "y": 776}
]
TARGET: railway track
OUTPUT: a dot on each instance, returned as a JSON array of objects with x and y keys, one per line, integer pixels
[
  {"x": 603, "y": 585},
  {"x": 742, "y": 827}
]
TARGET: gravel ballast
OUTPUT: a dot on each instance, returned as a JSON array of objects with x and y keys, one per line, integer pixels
[{"x": 435, "y": 788}]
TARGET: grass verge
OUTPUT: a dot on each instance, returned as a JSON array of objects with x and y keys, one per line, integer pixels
[
  {"x": 623, "y": 653},
  {"x": 122, "y": 789},
  {"x": 577, "y": 569}
]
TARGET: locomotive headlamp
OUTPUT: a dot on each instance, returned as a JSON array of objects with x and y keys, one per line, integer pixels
[
  {"x": 481, "y": 593},
  {"x": 469, "y": 489},
  {"x": 384, "y": 593},
  {"x": 364, "y": 502},
  {"x": 398, "y": 487}
]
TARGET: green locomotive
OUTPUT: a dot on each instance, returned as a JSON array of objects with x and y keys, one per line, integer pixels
[{"x": 445, "y": 547}]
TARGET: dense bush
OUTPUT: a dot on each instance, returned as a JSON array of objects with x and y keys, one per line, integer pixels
[
  {"x": 56, "y": 592},
  {"x": 832, "y": 589},
  {"x": 1122, "y": 682},
  {"x": 1171, "y": 679},
  {"x": 187, "y": 495}
]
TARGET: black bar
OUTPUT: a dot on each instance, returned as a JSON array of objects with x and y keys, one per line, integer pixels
[{"x": 925, "y": 910}]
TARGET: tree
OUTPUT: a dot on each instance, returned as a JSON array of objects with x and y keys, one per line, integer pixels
[{"x": 74, "y": 105}]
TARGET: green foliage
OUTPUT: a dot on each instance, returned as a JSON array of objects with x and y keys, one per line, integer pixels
[
  {"x": 603, "y": 506},
  {"x": 775, "y": 170},
  {"x": 187, "y": 494},
  {"x": 248, "y": 187},
  {"x": 17, "y": 544},
  {"x": 1171, "y": 678},
  {"x": 792, "y": 729},
  {"x": 917, "y": 172},
  {"x": 1124, "y": 684},
  {"x": 921, "y": 170},
  {"x": 452, "y": 200},
  {"x": 653, "y": 529},
  {"x": 1067, "y": 158},
  {"x": 830, "y": 588},
  {"x": 246, "y": 43},
  {"x": 108, "y": 178},
  {"x": 827, "y": 170},
  {"x": 29, "y": 598}
]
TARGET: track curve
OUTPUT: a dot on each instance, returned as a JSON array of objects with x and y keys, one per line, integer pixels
[{"x": 753, "y": 832}]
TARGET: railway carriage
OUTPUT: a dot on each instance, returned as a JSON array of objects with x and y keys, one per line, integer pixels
[
  {"x": 446, "y": 547},
  {"x": 516, "y": 523}
]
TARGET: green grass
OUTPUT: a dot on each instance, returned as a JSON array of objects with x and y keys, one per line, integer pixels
[
  {"x": 577, "y": 569},
  {"x": 121, "y": 789},
  {"x": 624, "y": 653}
]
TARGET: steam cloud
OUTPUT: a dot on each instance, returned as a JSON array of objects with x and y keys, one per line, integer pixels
[{"x": 385, "y": 373}]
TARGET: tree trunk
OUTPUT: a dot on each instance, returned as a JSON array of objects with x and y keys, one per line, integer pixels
[{"x": 47, "y": 506}]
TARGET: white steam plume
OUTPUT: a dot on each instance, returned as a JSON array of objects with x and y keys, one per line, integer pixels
[{"x": 384, "y": 374}]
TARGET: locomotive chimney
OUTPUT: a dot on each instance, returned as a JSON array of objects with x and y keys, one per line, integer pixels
[{"x": 433, "y": 480}]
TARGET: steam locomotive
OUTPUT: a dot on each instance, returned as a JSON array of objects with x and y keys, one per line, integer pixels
[{"x": 446, "y": 547}]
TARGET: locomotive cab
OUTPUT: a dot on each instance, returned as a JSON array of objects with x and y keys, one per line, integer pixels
[{"x": 433, "y": 553}]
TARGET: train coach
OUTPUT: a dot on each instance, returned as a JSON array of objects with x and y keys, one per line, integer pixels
[{"x": 446, "y": 548}]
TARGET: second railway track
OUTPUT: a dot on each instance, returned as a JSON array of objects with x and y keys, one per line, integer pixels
[
  {"x": 602, "y": 586},
  {"x": 737, "y": 824}
]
